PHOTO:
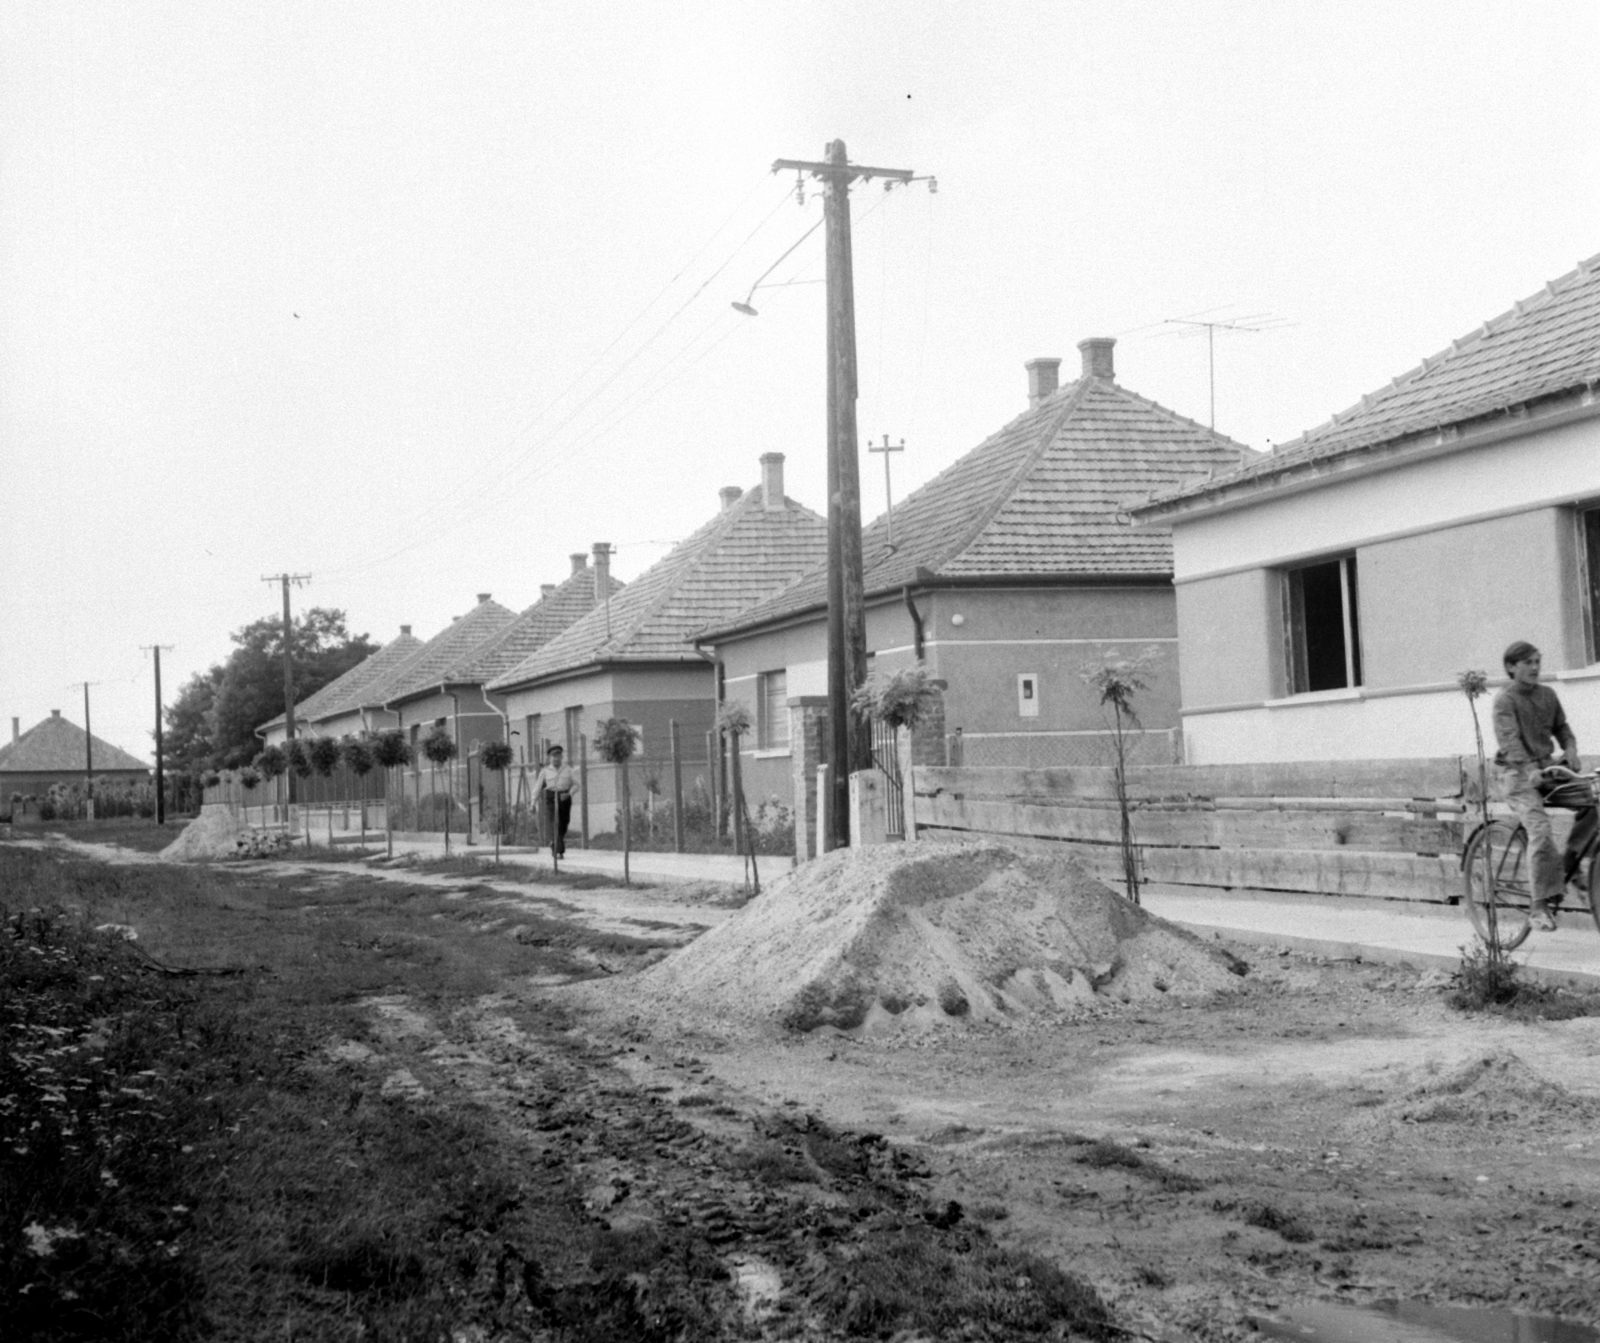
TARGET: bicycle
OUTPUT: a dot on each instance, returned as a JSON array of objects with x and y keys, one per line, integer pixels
[{"x": 1498, "y": 877}]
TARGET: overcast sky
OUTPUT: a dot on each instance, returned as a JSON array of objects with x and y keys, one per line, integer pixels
[{"x": 421, "y": 298}]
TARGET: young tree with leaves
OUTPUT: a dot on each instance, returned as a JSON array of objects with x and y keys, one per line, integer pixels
[
  {"x": 497, "y": 756},
  {"x": 392, "y": 751},
  {"x": 1117, "y": 680},
  {"x": 615, "y": 741},
  {"x": 440, "y": 748}
]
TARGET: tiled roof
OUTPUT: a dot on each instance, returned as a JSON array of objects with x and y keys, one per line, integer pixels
[
  {"x": 1544, "y": 346},
  {"x": 1046, "y": 497},
  {"x": 426, "y": 668},
  {"x": 56, "y": 746},
  {"x": 533, "y": 629},
  {"x": 342, "y": 695},
  {"x": 744, "y": 555}
]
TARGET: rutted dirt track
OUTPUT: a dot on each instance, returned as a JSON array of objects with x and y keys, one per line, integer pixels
[{"x": 1329, "y": 1130}]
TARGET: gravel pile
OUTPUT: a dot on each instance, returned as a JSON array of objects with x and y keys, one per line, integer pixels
[{"x": 925, "y": 932}]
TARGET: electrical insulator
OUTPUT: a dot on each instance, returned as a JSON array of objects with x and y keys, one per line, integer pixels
[
  {"x": 933, "y": 186},
  {"x": 799, "y": 189}
]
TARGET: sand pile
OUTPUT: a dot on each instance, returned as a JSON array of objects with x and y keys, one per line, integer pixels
[
  {"x": 928, "y": 931},
  {"x": 217, "y": 833},
  {"x": 1492, "y": 1088}
]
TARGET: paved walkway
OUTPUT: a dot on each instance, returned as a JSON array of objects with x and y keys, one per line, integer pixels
[{"x": 1427, "y": 936}]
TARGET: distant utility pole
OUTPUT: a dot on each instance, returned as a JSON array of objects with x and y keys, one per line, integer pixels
[
  {"x": 161, "y": 778},
  {"x": 850, "y": 742},
  {"x": 88, "y": 748},
  {"x": 888, "y": 497},
  {"x": 1253, "y": 323},
  {"x": 299, "y": 580}
]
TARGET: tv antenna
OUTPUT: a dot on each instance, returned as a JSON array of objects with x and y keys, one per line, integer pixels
[{"x": 1250, "y": 324}]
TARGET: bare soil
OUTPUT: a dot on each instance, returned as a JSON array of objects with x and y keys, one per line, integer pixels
[{"x": 1326, "y": 1130}]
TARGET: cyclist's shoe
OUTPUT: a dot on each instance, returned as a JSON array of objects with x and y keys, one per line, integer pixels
[{"x": 1540, "y": 917}]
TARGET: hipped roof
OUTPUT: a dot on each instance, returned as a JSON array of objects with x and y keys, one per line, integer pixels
[
  {"x": 56, "y": 746},
  {"x": 343, "y": 695},
  {"x": 1544, "y": 347},
  {"x": 743, "y": 555},
  {"x": 426, "y": 668},
  {"x": 1045, "y": 497}
]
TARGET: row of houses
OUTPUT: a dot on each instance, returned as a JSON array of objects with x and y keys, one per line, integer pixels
[{"x": 1311, "y": 603}]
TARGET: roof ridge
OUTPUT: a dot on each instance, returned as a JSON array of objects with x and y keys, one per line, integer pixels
[{"x": 1070, "y": 402}]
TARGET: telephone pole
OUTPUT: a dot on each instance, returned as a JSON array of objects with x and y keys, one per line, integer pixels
[
  {"x": 161, "y": 779},
  {"x": 299, "y": 580},
  {"x": 88, "y": 749},
  {"x": 850, "y": 742},
  {"x": 888, "y": 496}
]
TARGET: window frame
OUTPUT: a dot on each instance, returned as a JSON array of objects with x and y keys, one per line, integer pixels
[
  {"x": 1587, "y": 520},
  {"x": 771, "y": 718},
  {"x": 1297, "y": 659}
]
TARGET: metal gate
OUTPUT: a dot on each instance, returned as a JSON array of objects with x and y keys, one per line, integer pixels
[{"x": 886, "y": 756}]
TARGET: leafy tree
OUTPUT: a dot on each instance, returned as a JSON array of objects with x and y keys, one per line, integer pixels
[
  {"x": 186, "y": 739},
  {"x": 616, "y": 740}
]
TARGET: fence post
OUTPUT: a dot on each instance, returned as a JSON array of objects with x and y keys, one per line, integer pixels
[
  {"x": 736, "y": 805},
  {"x": 677, "y": 790},
  {"x": 907, "y": 758},
  {"x": 713, "y": 765},
  {"x": 583, "y": 787}
]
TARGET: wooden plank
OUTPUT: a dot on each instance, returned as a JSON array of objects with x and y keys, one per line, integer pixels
[
  {"x": 1377, "y": 876},
  {"x": 1214, "y": 828},
  {"x": 1437, "y": 777}
]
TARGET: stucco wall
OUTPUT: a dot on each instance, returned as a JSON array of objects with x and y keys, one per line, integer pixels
[{"x": 1456, "y": 556}]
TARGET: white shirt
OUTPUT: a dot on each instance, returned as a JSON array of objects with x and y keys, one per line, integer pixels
[{"x": 555, "y": 780}]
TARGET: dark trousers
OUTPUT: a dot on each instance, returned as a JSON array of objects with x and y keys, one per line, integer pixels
[
  {"x": 557, "y": 816},
  {"x": 1579, "y": 798}
]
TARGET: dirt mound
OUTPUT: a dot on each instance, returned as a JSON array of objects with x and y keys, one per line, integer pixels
[
  {"x": 216, "y": 833},
  {"x": 926, "y": 931},
  {"x": 1490, "y": 1088}
]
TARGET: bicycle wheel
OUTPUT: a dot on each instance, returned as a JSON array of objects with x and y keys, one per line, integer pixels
[
  {"x": 1496, "y": 869},
  {"x": 1594, "y": 884}
]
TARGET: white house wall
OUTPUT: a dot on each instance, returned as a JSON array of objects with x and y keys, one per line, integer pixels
[{"x": 1456, "y": 557}]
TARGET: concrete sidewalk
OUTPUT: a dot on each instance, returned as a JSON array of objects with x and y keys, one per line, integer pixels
[
  {"x": 1372, "y": 930},
  {"x": 608, "y": 862}
]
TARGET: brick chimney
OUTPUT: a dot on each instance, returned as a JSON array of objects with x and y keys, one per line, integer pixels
[
  {"x": 1097, "y": 361},
  {"x": 602, "y": 569},
  {"x": 405, "y": 630},
  {"x": 16, "y": 730},
  {"x": 55, "y": 713},
  {"x": 545, "y": 589},
  {"x": 772, "y": 480},
  {"x": 483, "y": 597},
  {"x": 580, "y": 561},
  {"x": 730, "y": 495},
  {"x": 1044, "y": 376}
]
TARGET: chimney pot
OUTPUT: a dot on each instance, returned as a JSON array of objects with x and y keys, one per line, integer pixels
[
  {"x": 483, "y": 597},
  {"x": 16, "y": 730},
  {"x": 1044, "y": 376},
  {"x": 55, "y": 713},
  {"x": 730, "y": 495},
  {"x": 580, "y": 561},
  {"x": 545, "y": 589},
  {"x": 602, "y": 569},
  {"x": 1097, "y": 361},
  {"x": 772, "y": 480},
  {"x": 405, "y": 630}
]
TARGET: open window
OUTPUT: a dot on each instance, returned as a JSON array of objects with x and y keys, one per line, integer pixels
[
  {"x": 772, "y": 727},
  {"x": 1324, "y": 634},
  {"x": 1589, "y": 577}
]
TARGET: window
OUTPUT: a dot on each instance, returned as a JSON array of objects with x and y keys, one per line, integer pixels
[
  {"x": 1324, "y": 632},
  {"x": 1028, "y": 695},
  {"x": 772, "y": 729},
  {"x": 1589, "y": 551},
  {"x": 532, "y": 747},
  {"x": 574, "y": 717}
]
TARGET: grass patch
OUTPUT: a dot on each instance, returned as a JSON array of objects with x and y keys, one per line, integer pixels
[
  {"x": 126, "y": 832},
  {"x": 1269, "y": 1217},
  {"x": 1104, "y": 1154},
  {"x": 956, "y": 1284},
  {"x": 485, "y": 869},
  {"x": 1495, "y": 984}
]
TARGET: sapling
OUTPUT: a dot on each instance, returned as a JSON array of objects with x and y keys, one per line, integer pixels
[
  {"x": 358, "y": 755},
  {"x": 1118, "y": 679},
  {"x": 391, "y": 750},
  {"x": 1473, "y": 685},
  {"x": 440, "y": 748},
  {"x": 734, "y": 719},
  {"x": 496, "y": 755},
  {"x": 615, "y": 741}
]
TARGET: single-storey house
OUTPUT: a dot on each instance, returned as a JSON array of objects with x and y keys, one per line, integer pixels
[
  {"x": 634, "y": 656},
  {"x": 58, "y": 751},
  {"x": 454, "y": 692},
  {"x": 1006, "y": 575},
  {"x": 333, "y": 710},
  {"x": 1329, "y": 594}
]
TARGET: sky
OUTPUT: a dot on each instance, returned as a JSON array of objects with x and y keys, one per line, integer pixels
[{"x": 420, "y": 299}]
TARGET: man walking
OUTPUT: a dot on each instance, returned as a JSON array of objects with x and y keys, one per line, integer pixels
[
  {"x": 556, "y": 784},
  {"x": 1528, "y": 720}
]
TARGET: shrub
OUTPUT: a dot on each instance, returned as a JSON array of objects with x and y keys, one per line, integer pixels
[
  {"x": 615, "y": 740},
  {"x": 901, "y": 699},
  {"x": 359, "y": 755},
  {"x": 249, "y": 778},
  {"x": 391, "y": 749},
  {"x": 439, "y": 746},
  {"x": 299, "y": 761},
  {"x": 272, "y": 762}
]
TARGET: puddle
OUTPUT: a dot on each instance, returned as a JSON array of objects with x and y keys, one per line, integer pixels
[{"x": 1413, "y": 1322}]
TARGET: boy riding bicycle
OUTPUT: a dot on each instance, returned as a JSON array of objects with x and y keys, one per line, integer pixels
[{"x": 1528, "y": 718}]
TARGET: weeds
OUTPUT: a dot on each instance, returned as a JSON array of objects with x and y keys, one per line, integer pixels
[
  {"x": 1104, "y": 1153},
  {"x": 1487, "y": 979}
]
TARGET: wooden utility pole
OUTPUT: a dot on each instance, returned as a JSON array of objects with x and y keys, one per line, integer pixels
[
  {"x": 888, "y": 494},
  {"x": 88, "y": 749},
  {"x": 850, "y": 742},
  {"x": 299, "y": 580},
  {"x": 161, "y": 795}
]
